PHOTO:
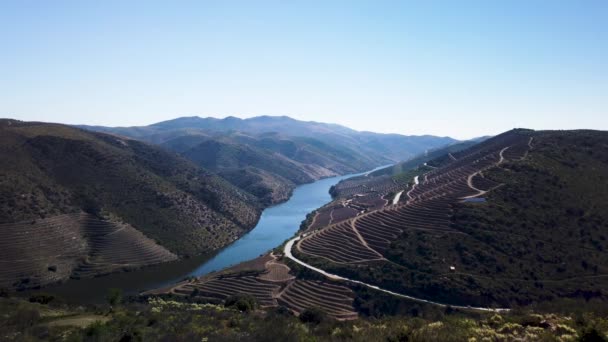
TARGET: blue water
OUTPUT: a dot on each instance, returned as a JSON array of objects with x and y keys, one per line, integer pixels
[{"x": 277, "y": 224}]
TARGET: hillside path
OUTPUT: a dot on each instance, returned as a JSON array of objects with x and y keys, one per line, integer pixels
[
  {"x": 397, "y": 197},
  {"x": 289, "y": 246},
  {"x": 471, "y": 176},
  {"x": 413, "y": 187}
]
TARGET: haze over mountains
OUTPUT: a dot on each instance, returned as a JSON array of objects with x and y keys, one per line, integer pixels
[{"x": 268, "y": 156}]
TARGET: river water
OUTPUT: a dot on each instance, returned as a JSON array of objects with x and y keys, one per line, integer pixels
[{"x": 277, "y": 224}]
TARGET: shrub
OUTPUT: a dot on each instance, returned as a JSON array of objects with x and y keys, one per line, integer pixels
[
  {"x": 114, "y": 297},
  {"x": 312, "y": 315},
  {"x": 242, "y": 302},
  {"x": 97, "y": 331},
  {"x": 592, "y": 335},
  {"x": 42, "y": 298},
  {"x": 23, "y": 318}
]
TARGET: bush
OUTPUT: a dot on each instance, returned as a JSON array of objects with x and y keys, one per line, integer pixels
[
  {"x": 242, "y": 302},
  {"x": 97, "y": 331},
  {"x": 41, "y": 298},
  {"x": 592, "y": 335},
  {"x": 114, "y": 297},
  {"x": 23, "y": 318},
  {"x": 312, "y": 315}
]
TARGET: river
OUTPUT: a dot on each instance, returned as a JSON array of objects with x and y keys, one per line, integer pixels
[{"x": 276, "y": 225}]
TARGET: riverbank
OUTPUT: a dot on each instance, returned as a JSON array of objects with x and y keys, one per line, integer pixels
[{"x": 277, "y": 224}]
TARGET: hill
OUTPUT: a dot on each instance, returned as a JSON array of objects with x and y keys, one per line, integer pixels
[
  {"x": 270, "y": 165},
  {"x": 517, "y": 219},
  {"x": 80, "y": 203},
  {"x": 394, "y": 147},
  {"x": 166, "y": 319},
  {"x": 427, "y": 156},
  {"x": 393, "y": 178},
  {"x": 268, "y": 156}
]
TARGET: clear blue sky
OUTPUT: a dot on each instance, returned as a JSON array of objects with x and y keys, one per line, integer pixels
[{"x": 458, "y": 68}]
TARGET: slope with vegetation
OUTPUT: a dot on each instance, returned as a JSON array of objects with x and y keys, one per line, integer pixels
[
  {"x": 270, "y": 166},
  {"x": 130, "y": 190},
  {"x": 517, "y": 219},
  {"x": 45, "y": 318},
  {"x": 268, "y": 156},
  {"x": 425, "y": 157},
  {"x": 269, "y": 282}
]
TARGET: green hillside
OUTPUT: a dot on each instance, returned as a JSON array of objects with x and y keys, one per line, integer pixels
[
  {"x": 268, "y": 156},
  {"x": 420, "y": 159},
  {"x": 270, "y": 165},
  {"x": 161, "y": 319},
  {"x": 539, "y": 234},
  {"x": 51, "y": 169}
]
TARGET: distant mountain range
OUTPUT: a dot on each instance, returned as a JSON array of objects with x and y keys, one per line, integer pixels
[{"x": 268, "y": 156}]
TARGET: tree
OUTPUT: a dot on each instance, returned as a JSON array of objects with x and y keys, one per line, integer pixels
[
  {"x": 114, "y": 297},
  {"x": 41, "y": 298},
  {"x": 312, "y": 315},
  {"x": 242, "y": 302}
]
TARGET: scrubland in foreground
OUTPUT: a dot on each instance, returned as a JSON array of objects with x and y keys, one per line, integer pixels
[{"x": 160, "y": 319}]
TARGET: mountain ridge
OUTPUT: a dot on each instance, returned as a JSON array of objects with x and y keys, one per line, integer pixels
[{"x": 316, "y": 149}]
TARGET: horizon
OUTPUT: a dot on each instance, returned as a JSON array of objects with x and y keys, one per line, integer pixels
[
  {"x": 258, "y": 116},
  {"x": 417, "y": 68}
]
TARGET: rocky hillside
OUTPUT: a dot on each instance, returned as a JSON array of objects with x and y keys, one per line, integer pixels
[
  {"x": 268, "y": 174},
  {"x": 49, "y": 170}
]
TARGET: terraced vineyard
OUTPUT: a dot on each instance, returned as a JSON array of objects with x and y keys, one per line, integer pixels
[
  {"x": 426, "y": 209},
  {"x": 344, "y": 209},
  {"x": 364, "y": 186},
  {"x": 518, "y": 218},
  {"x": 269, "y": 281},
  {"x": 464, "y": 234},
  {"x": 356, "y": 230},
  {"x": 35, "y": 253},
  {"x": 224, "y": 287},
  {"x": 338, "y": 243},
  {"x": 335, "y": 300},
  {"x": 369, "y": 239}
]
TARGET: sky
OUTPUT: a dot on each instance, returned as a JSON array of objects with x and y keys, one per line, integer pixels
[{"x": 450, "y": 68}]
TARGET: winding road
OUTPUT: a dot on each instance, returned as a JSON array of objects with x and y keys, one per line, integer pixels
[
  {"x": 289, "y": 246},
  {"x": 290, "y": 243},
  {"x": 397, "y": 197},
  {"x": 470, "y": 178},
  {"x": 413, "y": 187}
]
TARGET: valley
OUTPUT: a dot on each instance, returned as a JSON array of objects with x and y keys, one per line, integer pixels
[
  {"x": 304, "y": 171},
  {"x": 268, "y": 156},
  {"x": 277, "y": 224},
  {"x": 425, "y": 248},
  {"x": 455, "y": 228}
]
